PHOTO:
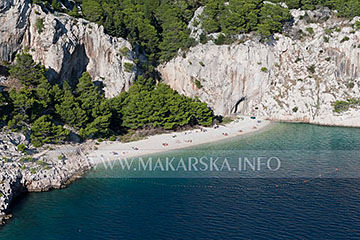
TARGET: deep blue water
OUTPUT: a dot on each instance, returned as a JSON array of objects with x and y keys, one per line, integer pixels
[{"x": 293, "y": 203}]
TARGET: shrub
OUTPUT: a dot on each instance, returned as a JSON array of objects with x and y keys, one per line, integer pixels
[
  {"x": 220, "y": 40},
  {"x": 264, "y": 69},
  {"x": 42, "y": 163},
  {"x": 198, "y": 84},
  {"x": 311, "y": 69},
  {"x": 74, "y": 13},
  {"x": 21, "y": 148},
  {"x": 352, "y": 101},
  {"x": 345, "y": 39},
  {"x": 112, "y": 138},
  {"x": 351, "y": 85},
  {"x": 39, "y": 24},
  {"x": 341, "y": 106},
  {"x": 357, "y": 25},
  {"x": 226, "y": 120},
  {"x": 295, "y": 109},
  {"x": 310, "y": 30},
  {"x": 328, "y": 31},
  {"x": 55, "y": 5},
  {"x": 203, "y": 38},
  {"x": 326, "y": 39},
  {"x": 26, "y": 159},
  {"x": 124, "y": 51},
  {"x": 128, "y": 67}
]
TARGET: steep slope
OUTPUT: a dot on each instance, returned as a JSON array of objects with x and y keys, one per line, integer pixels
[
  {"x": 14, "y": 16},
  {"x": 66, "y": 46},
  {"x": 296, "y": 77}
]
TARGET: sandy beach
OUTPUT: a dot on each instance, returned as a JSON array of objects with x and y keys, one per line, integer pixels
[{"x": 177, "y": 140}]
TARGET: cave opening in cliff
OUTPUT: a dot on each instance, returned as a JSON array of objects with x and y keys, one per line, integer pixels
[{"x": 236, "y": 106}]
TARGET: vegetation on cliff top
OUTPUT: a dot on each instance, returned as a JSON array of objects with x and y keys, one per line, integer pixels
[
  {"x": 159, "y": 27},
  {"x": 42, "y": 109}
]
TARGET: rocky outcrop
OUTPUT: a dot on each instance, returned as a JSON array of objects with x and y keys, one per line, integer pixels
[
  {"x": 66, "y": 46},
  {"x": 14, "y": 16},
  {"x": 36, "y": 172},
  {"x": 296, "y": 77}
]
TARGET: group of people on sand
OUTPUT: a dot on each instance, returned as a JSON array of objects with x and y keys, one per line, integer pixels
[
  {"x": 165, "y": 144},
  {"x": 177, "y": 141}
]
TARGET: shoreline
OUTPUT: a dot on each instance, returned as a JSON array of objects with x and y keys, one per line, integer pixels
[
  {"x": 313, "y": 123},
  {"x": 80, "y": 158},
  {"x": 241, "y": 126},
  {"x": 47, "y": 170}
]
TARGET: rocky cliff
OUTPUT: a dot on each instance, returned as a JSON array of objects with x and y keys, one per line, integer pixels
[
  {"x": 298, "y": 76},
  {"x": 36, "y": 172},
  {"x": 65, "y": 45}
]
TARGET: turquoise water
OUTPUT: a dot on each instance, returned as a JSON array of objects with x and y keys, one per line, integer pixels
[{"x": 314, "y": 195}]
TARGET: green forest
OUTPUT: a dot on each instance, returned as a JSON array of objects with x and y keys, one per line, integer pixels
[
  {"x": 159, "y": 27},
  {"x": 41, "y": 109}
]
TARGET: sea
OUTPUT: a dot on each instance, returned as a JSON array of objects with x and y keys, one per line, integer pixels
[{"x": 290, "y": 181}]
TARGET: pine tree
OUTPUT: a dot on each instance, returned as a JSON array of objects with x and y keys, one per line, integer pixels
[
  {"x": 26, "y": 106},
  {"x": 27, "y": 71},
  {"x": 70, "y": 111},
  {"x": 89, "y": 96},
  {"x": 45, "y": 131},
  {"x": 98, "y": 128}
]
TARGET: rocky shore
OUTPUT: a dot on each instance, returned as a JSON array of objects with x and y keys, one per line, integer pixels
[{"x": 36, "y": 170}]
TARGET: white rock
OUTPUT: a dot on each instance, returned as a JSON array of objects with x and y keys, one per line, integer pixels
[
  {"x": 67, "y": 46},
  {"x": 275, "y": 80}
]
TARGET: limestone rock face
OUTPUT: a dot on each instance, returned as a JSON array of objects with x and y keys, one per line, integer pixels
[
  {"x": 195, "y": 24},
  {"x": 66, "y": 46},
  {"x": 13, "y": 23},
  {"x": 226, "y": 73},
  {"x": 296, "y": 78}
]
